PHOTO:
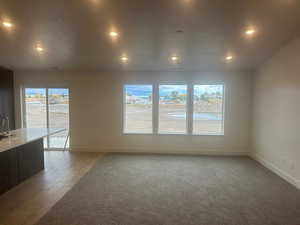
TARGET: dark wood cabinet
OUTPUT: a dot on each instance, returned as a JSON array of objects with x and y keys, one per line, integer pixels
[
  {"x": 8, "y": 170},
  {"x": 7, "y": 95},
  {"x": 20, "y": 163},
  {"x": 13, "y": 170},
  {"x": 31, "y": 159},
  {"x": 4, "y": 172}
]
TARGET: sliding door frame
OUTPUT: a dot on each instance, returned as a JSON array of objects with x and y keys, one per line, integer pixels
[{"x": 23, "y": 106}]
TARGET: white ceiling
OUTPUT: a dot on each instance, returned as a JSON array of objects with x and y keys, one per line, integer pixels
[{"x": 74, "y": 33}]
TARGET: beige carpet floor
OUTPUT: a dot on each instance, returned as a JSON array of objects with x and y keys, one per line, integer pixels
[{"x": 177, "y": 190}]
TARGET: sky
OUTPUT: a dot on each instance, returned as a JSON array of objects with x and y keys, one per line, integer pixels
[
  {"x": 164, "y": 90},
  {"x": 141, "y": 90},
  {"x": 32, "y": 91}
]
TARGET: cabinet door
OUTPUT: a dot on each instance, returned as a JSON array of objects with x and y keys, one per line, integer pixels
[
  {"x": 4, "y": 172},
  {"x": 7, "y": 96},
  {"x": 31, "y": 159},
  {"x": 9, "y": 176},
  {"x": 13, "y": 167}
]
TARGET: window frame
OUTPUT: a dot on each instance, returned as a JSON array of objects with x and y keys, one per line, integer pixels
[
  {"x": 186, "y": 108},
  {"x": 189, "y": 108},
  {"x": 124, "y": 110},
  {"x": 223, "y": 109},
  {"x": 23, "y": 107}
]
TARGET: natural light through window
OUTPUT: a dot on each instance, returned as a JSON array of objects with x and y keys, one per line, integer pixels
[
  {"x": 172, "y": 109},
  {"x": 48, "y": 108},
  {"x": 138, "y": 109},
  {"x": 195, "y": 109},
  {"x": 58, "y": 107},
  {"x": 208, "y": 113},
  {"x": 36, "y": 109}
]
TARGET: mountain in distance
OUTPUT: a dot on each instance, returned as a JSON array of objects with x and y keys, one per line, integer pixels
[
  {"x": 165, "y": 90},
  {"x": 42, "y": 91}
]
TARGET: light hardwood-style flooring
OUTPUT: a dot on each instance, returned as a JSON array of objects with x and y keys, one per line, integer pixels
[{"x": 29, "y": 201}]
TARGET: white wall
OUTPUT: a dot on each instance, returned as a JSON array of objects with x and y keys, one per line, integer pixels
[
  {"x": 96, "y": 111},
  {"x": 276, "y": 118}
]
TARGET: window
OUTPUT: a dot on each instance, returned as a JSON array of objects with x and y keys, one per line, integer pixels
[
  {"x": 48, "y": 108},
  {"x": 208, "y": 113},
  {"x": 172, "y": 109},
  {"x": 138, "y": 108}
]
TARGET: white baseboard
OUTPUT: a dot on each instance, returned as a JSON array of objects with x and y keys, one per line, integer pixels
[
  {"x": 271, "y": 166},
  {"x": 216, "y": 152}
]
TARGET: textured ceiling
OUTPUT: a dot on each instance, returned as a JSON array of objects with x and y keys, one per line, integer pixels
[{"x": 74, "y": 33}]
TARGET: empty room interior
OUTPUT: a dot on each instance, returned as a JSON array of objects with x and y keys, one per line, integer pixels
[{"x": 138, "y": 112}]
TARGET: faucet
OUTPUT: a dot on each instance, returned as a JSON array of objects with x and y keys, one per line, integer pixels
[{"x": 4, "y": 125}]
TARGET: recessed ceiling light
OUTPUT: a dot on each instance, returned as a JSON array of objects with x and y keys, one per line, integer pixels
[
  {"x": 250, "y": 31},
  {"x": 39, "y": 49},
  {"x": 124, "y": 58},
  {"x": 7, "y": 24},
  {"x": 229, "y": 57},
  {"x": 95, "y": 1},
  {"x": 174, "y": 58},
  {"x": 113, "y": 34}
]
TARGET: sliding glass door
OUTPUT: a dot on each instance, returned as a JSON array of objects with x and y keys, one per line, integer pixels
[
  {"x": 58, "y": 112},
  {"x": 35, "y": 109},
  {"x": 48, "y": 108}
]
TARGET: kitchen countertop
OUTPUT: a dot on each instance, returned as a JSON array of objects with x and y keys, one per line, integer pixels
[{"x": 26, "y": 135}]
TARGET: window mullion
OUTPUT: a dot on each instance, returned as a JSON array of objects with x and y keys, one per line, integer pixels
[
  {"x": 24, "y": 123},
  {"x": 47, "y": 115},
  {"x": 190, "y": 107},
  {"x": 155, "y": 108},
  {"x": 223, "y": 109}
]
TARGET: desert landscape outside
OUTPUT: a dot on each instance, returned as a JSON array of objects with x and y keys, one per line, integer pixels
[
  {"x": 58, "y": 113},
  {"x": 208, "y": 109}
]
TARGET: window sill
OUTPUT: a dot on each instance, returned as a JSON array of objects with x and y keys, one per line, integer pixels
[
  {"x": 209, "y": 135},
  {"x": 137, "y": 133},
  {"x": 176, "y": 134}
]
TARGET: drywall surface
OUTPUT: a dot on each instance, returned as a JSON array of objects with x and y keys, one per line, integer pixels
[
  {"x": 276, "y": 117},
  {"x": 96, "y": 111}
]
